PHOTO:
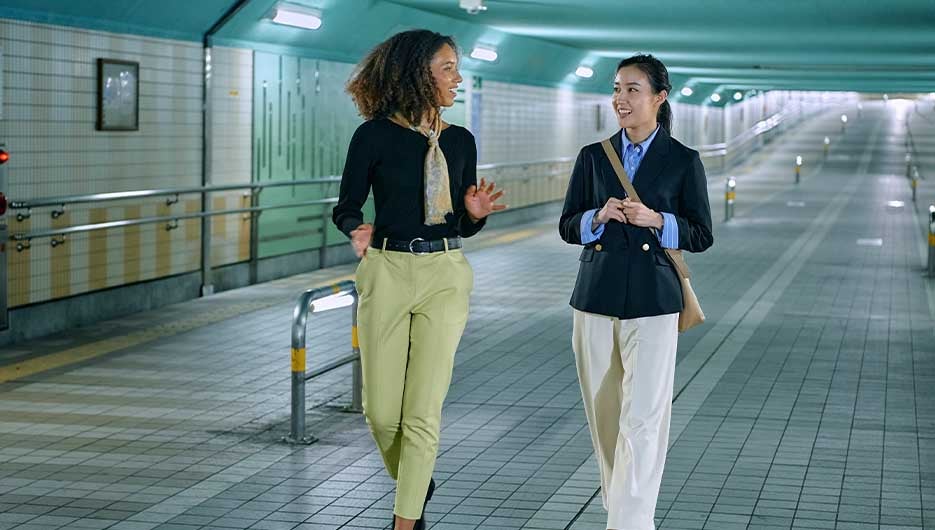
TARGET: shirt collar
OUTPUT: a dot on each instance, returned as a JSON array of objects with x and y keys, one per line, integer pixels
[{"x": 644, "y": 144}]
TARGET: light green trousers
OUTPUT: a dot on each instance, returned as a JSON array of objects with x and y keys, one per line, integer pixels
[{"x": 411, "y": 313}]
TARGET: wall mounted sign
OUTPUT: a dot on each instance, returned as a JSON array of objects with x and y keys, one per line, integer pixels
[{"x": 118, "y": 95}]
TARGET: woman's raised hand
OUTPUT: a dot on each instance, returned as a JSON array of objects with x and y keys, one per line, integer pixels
[
  {"x": 612, "y": 210},
  {"x": 361, "y": 238},
  {"x": 480, "y": 200}
]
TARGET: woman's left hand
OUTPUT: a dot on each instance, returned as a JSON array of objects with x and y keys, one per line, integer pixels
[
  {"x": 480, "y": 200},
  {"x": 639, "y": 214}
]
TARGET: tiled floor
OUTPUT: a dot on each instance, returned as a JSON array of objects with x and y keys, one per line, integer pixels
[{"x": 804, "y": 402}]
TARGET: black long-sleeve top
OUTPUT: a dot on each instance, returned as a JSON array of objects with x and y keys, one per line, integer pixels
[{"x": 391, "y": 159}]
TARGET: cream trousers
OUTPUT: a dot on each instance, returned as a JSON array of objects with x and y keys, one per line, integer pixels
[{"x": 626, "y": 369}]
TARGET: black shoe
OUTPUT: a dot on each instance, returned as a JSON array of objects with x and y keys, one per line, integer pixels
[{"x": 420, "y": 523}]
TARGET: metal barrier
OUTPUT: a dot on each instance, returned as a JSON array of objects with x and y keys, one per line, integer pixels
[{"x": 303, "y": 307}]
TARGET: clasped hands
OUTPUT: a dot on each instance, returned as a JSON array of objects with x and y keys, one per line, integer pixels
[
  {"x": 479, "y": 200},
  {"x": 627, "y": 211}
]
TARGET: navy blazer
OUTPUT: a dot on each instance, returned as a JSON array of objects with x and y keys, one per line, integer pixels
[{"x": 625, "y": 273}]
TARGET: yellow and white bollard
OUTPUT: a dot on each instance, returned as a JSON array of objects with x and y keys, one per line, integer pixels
[{"x": 729, "y": 196}]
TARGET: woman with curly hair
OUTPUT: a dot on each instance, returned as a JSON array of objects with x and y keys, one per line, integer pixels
[{"x": 413, "y": 280}]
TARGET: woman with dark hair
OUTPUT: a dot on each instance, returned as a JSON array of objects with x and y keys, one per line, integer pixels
[
  {"x": 413, "y": 280},
  {"x": 627, "y": 296}
]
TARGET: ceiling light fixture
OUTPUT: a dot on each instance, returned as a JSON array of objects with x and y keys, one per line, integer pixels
[
  {"x": 738, "y": 96},
  {"x": 473, "y": 7},
  {"x": 484, "y": 53},
  {"x": 687, "y": 91},
  {"x": 584, "y": 71},
  {"x": 296, "y": 16},
  {"x": 715, "y": 97}
]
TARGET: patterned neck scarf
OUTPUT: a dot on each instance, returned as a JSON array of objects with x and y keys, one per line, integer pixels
[{"x": 437, "y": 185}]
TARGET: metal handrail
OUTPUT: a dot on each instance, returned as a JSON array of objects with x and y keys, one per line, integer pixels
[
  {"x": 135, "y": 194},
  {"x": 305, "y": 305},
  {"x": 150, "y": 220},
  {"x": 761, "y": 127},
  {"x": 500, "y": 165}
]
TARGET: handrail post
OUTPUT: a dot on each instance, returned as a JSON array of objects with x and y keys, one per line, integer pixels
[
  {"x": 322, "y": 251},
  {"x": 254, "y": 236}
]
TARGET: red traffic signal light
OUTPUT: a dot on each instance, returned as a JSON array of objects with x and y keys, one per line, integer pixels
[{"x": 4, "y": 156}]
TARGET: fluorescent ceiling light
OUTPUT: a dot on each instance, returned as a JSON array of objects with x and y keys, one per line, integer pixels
[
  {"x": 584, "y": 71},
  {"x": 483, "y": 53},
  {"x": 687, "y": 91},
  {"x": 289, "y": 15},
  {"x": 715, "y": 97},
  {"x": 738, "y": 96}
]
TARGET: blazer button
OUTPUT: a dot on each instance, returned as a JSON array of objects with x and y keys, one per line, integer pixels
[
  {"x": 645, "y": 247},
  {"x": 598, "y": 247}
]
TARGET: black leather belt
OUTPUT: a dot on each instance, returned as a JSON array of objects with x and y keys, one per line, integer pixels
[{"x": 419, "y": 245}]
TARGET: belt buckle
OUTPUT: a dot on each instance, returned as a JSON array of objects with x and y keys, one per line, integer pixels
[{"x": 413, "y": 242}]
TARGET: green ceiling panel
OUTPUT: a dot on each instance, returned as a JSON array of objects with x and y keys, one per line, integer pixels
[{"x": 854, "y": 45}]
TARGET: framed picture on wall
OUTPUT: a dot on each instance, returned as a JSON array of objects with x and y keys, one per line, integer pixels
[{"x": 118, "y": 95}]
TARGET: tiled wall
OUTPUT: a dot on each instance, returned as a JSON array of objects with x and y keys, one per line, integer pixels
[
  {"x": 231, "y": 114},
  {"x": 520, "y": 123},
  {"x": 48, "y": 127}
]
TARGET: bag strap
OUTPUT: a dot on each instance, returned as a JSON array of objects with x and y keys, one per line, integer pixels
[
  {"x": 675, "y": 255},
  {"x": 619, "y": 170}
]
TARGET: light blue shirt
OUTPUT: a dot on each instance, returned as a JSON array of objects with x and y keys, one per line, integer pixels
[{"x": 632, "y": 158}]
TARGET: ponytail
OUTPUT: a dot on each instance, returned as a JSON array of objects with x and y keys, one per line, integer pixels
[{"x": 664, "y": 116}]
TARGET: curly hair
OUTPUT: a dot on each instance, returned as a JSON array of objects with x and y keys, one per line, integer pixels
[{"x": 396, "y": 76}]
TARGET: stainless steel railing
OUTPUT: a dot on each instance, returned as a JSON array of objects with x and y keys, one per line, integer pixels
[
  {"x": 727, "y": 153},
  {"x": 57, "y": 235}
]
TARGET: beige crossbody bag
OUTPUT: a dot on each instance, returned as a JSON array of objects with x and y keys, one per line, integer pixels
[{"x": 691, "y": 314}]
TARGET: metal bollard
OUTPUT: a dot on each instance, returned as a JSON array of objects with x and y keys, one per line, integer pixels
[
  {"x": 299, "y": 376},
  {"x": 843, "y": 123},
  {"x": 798, "y": 168},
  {"x": 827, "y": 145},
  {"x": 908, "y": 165},
  {"x": 729, "y": 196},
  {"x": 931, "y": 272},
  {"x": 914, "y": 183}
]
